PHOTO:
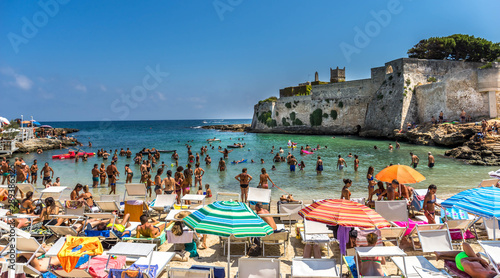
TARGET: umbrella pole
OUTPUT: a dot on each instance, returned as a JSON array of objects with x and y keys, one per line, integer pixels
[{"x": 229, "y": 256}]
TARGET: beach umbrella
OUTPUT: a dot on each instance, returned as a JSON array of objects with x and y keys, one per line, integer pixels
[
  {"x": 227, "y": 218},
  {"x": 495, "y": 174},
  {"x": 482, "y": 201},
  {"x": 46, "y": 126},
  {"x": 4, "y": 121},
  {"x": 401, "y": 173},
  {"x": 344, "y": 213}
]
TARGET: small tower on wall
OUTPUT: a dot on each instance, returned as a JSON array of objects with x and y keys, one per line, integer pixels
[
  {"x": 316, "y": 77},
  {"x": 337, "y": 75}
]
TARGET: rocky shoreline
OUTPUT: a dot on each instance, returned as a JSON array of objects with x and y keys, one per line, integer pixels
[
  {"x": 48, "y": 144},
  {"x": 461, "y": 138},
  {"x": 230, "y": 128}
]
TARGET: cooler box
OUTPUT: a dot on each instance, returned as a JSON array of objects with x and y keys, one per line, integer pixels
[{"x": 134, "y": 208}]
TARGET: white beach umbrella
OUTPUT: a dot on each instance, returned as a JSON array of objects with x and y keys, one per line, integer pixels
[
  {"x": 495, "y": 174},
  {"x": 4, "y": 121}
]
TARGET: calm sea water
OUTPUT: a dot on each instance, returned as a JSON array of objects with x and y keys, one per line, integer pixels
[{"x": 451, "y": 176}]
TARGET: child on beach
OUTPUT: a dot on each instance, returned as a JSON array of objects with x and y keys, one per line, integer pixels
[
  {"x": 200, "y": 190},
  {"x": 208, "y": 191},
  {"x": 302, "y": 165}
]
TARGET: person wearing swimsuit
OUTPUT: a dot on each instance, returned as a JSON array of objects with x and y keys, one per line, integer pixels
[
  {"x": 371, "y": 266},
  {"x": 319, "y": 166},
  {"x": 346, "y": 193},
  {"x": 263, "y": 179},
  {"x": 146, "y": 229},
  {"x": 244, "y": 180},
  {"x": 430, "y": 203},
  {"x": 158, "y": 182},
  {"x": 198, "y": 174},
  {"x": 179, "y": 180},
  {"x": 169, "y": 183}
]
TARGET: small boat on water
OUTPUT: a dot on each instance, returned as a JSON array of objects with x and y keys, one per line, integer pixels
[
  {"x": 71, "y": 154},
  {"x": 166, "y": 151},
  {"x": 212, "y": 140}
]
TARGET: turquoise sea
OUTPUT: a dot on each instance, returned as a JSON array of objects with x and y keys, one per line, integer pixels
[{"x": 451, "y": 176}]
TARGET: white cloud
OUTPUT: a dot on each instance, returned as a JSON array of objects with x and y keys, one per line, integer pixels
[
  {"x": 81, "y": 87},
  {"x": 103, "y": 88},
  {"x": 20, "y": 81}
]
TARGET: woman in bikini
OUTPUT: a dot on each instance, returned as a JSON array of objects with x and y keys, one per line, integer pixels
[
  {"x": 379, "y": 192},
  {"x": 179, "y": 180},
  {"x": 158, "y": 182},
  {"x": 87, "y": 196},
  {"x": 263, "y": 179},
  {"x": 430, "y": 203},
  {"x": 26, "y": 206},
  {"x": 50, "y": 209},
  {"x": 346, "y": 193},
  {"x": 129, "y": 174},
  {"x": 74, "y": 194},
  {"x": 371, "y": 266},
  {"x": 102, "y": 172}
]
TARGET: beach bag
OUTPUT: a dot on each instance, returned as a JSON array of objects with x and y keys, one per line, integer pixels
[
  {"x": 254, "y": 250},
  {"x": 14, "y": 206}
]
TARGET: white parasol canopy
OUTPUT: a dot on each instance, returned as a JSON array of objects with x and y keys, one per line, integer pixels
[{"x": 4, "y": 121}]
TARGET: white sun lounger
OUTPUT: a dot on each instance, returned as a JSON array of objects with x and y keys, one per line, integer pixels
[
  {"x": 260, "y": 195},
  {"x": 434, "y": 240},
  {"x": 392, "y": 234},
  {"x": 19, "y": 269},
  {"x": 189, "y": 273},
  {"x": 227, "y": 196},
  {"x": 488, "y": 225},
  {"x": 258, "y": 268},
  {"x": 317, "y": 268},
  {"x": 27, "y": 245},
  {"x": 413, "y": 235},
  {"x": 280, "y": 238},
  {"x": 392, "y": 210},
  {"x": 292, "y": 209},
  {"x": 144, "y": 252},
  {"x": 316, "y": 233},
  {"x": 162, "y": 201},
  {"x": 379, "y": 251},
  {"x": 6, "y": 228},
  {"x": 492, "y": 250},
  {"x": 414, "y": 263},
  {"x": 136, "y": 190}
]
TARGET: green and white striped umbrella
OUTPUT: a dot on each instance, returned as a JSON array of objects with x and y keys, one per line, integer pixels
[{"x": 226, "y": 218}]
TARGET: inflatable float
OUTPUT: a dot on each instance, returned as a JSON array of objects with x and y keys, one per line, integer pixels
[
  {"x": 237, "y": 162},
  {"x": 306, "y": 152},
  {"x": 212, "y": 140},
  {"x": 70, "y": 155},
  {"x": 292, "y": 147}
]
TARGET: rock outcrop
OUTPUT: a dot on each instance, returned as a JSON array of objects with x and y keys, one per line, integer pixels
[
  {"x": 232, "y": 128},
  {"x": 447, "y": 135},
  {"x": 44, "y": 143}
]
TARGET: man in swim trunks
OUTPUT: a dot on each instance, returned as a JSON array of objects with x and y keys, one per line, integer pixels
[
  {"x": 128, "y": 153},
  {"x": 414, "y": 160},
  {"x": 169, "y": 183},
  {"x": 112, "y": 173},
  {"x": 319, "y": 166},
  {"x": 244, "y": 180},
  {"x": 292, "y": 162},
  {"x": 5, "y": 170},
  {"x": 147, "y": 229},
  {"x": 34, "y": 172},
  {"x": 95, "y": 175},
  {"x": 468, "y": 261},
  {"x": 441, "y": 117},
  {"x": 340, "y": 163},
  {"x": 198, "y": 174},
  {"x": 46, "y": 171},
  {"x": 462, "y": 116},
  {"x": 57, "y": 182},
  {"x": 175, "y": 156},
  {"x": 222, "y": 165},
  {"x": 188, "y": 175},
  {"x": 430, "y": 157}
]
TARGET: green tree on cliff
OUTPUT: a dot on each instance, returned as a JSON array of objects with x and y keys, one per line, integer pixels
[{"x": 456, "y": 47}]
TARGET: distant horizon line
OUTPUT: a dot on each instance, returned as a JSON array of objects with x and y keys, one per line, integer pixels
[{"x": 147, "y": 120}]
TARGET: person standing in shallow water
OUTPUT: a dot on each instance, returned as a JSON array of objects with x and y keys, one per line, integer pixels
[
  {"x": 244, "y": 180},
  {"x": 430, "y": 157},
  {"x": 414, "y": 160},
  {"x": 356, "y": 163},
  {"x": 319, "y": 166}
]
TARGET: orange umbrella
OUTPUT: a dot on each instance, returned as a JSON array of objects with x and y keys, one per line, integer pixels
[
  {"x": 344, "y": 213},
  {"x": 401, "y": 173}
]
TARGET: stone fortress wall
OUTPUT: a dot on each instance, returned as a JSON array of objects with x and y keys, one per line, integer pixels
[{"x": 403, "y": 91}]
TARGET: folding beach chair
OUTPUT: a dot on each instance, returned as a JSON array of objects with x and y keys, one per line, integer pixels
[
  {"x": 163, "y": 203},
  {"x": 461, "y": 226},
  {"x": 5, "y": 229},
  {"x": 68, "y": 230},
  {"x": 135, "y": 190},
  {"x": 379, "y": 251},
  {"x": 278, "y": 239},
  {"x": 415, "y": 265},
  {"x": 227, "y": 196},
  {"x": 161, "y": 259},
  {"x": 392, "y": 210},
  {"x": 492, "y": 228},
  {"x": 316, "y": 233},
  {"x": 291, "y": 208},
  {"x": 488, "y": 183},
  {"x": 492, "y": 250},
  {"x": 317, "y": 268},
  {"x": 259, "y": 195},
  {"x": 27, "y": 245},
  {"x": 258, "y": 268},
  {"x": 392, "y": 234},
  {"x": 109, "y": 203},
  {"x": 434, "y": 240},
  {"x": 189, "y": 273},
  {"x": 19, "y": 269},
  {"x": 234, "y": 241}
]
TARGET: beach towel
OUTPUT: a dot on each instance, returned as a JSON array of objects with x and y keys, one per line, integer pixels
[
  {"x": 98, "y": 264},
  {"x": 153, "y": 269},
  {"x": 92, "y": 233},
  {"x": 162, "y": 238},
  {"x": 219, "y": 272},
  {"x": 410, "y": 226},
  {"x": 343, "y": 238},
  {"x": 454, "y": 213},
  {"x": 75, "y": 247},
  {"x": 74, "y": 204}
]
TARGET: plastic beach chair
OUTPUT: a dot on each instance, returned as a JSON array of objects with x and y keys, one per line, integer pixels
[
  {"x": 317, "y": 268},
  {"x": 416, "y": 263},
  {"x": 163, "y": 201},
  {"x": 292, "y": 208},
  {"x": 227, "y": 196},
  {"x": 161, "y": 259},
  {"x": 280, "y": 238},
  {"x": 136, "y": 190},
  {"x": 109, "y": 203},
  {"x": 392, "y": 234},
  {"x": 189, "y": 273},
  {"x": 492, "y": 228},
  {"x": 492, "y": 250},
  {"x": 258, "y": 268},
  {"x": 259, "y": 195},
  {"x": 392, "y": 210},
  {"x": 434, "y": 240}
]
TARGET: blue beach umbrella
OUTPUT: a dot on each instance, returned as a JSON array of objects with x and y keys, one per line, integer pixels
[{"x": 483, "y": 201}]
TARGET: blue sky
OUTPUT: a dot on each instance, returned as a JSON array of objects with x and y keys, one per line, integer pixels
[{"x": 138, "y": 60}]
